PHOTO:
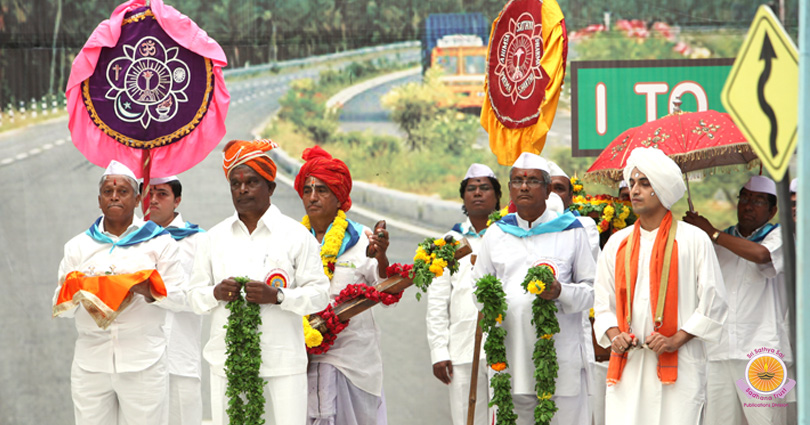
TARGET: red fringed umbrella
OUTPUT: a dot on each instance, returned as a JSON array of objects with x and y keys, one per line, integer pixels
[{"x": 694, "y": 140}]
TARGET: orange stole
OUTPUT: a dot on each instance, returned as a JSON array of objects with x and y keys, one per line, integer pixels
[
  {"x": 667, "y": 362},
  {"x": 106, "y": 296}
]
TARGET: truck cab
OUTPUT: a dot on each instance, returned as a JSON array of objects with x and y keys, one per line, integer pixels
[{"x": 463, "y": 60}]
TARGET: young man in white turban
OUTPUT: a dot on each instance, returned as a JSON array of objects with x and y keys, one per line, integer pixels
[
  {"x": 659, "y": 295},
  {"x": 532, "y": 236},
  {"x": 451, "y": 314},
  {"x": 184, "y": 328},
  {"x": 119, "y": 372},
  {"x": 751, "y": 259}
]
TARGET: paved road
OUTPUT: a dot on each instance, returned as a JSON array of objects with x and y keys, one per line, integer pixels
[
  {"x": 49, "y": 195},
  {"x": 365, "y": 113}
]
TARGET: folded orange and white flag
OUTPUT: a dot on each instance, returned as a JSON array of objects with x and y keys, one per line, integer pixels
[{"x": 106, "y": 296}]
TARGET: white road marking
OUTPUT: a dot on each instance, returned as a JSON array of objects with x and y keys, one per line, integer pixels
[
  {"x": 21, "y": 156},
  {"x": 6, "y": 161}
]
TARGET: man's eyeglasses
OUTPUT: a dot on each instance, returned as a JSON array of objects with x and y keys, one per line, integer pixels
[
  {"x": 757, "y": 202},
  {"x": 531, "y": 183}
]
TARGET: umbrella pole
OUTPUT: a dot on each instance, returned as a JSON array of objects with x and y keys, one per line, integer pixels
[
  {"x": 689, "y": 194},
  {"x": 147, "y": 177}
]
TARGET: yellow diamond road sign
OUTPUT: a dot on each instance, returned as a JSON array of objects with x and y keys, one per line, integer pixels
[{"x": 762, "y": 92}]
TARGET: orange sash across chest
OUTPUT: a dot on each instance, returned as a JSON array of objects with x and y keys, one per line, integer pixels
[{"x": 664, "y": 304}]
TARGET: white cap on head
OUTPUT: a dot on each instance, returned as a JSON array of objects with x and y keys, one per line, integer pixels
[
  {"x": 794, "y": 185},
  {"x": 623, "y": 184},
  {"x": 532, "y": 162},
  {"x": 161, "y": 180},
  {"x": 479, "y": 170},
  {"x": 663, "y": 173},
  {"x": 555, "y": 203},
  {"x": 118, "y": 169},
  {"x": 556, "y": 171},
  {"x": 761, "y": 184}
]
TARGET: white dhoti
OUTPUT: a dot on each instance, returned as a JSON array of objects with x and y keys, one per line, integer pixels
[
  {"x": 334, "y": 400},
  {"x": 570, "y": 410},
  {"x": 285, "y": 400},
  {"x": 127, "y": 398},
  {"x": 185, "y": 400},
  {"x": 726, "y": 403},
  {"x": 597, "y": 396},
  {"x": 460, "y": 394},
  {"x": 640, "y": 397}
]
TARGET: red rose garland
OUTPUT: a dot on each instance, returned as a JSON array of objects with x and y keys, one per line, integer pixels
[
  {"x": 399, "y": 269},
  {"x": 334, "y": 327}
]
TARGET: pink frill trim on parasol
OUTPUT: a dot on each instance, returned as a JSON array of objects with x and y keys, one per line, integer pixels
[{"x": 167, "y": 160}]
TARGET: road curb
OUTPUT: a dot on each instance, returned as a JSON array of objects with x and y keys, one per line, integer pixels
[{"x": 345, "y": 95}]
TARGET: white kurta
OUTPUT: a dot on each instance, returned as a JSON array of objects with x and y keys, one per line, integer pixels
[
  {"x": 137, "y": 338},
  {"x": 451, "y": 323},
  {"x": 757, "y": 304},
  {"x": 279, "y": 244},
  {"x": 508, "y": 257},
  {"x": 185, "y": 328},
  {"x": 356, "y": 352},
  {"x": 639, "y": 397}
]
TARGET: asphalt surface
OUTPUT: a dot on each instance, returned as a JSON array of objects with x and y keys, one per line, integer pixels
[{"x": 50, "y": 195}]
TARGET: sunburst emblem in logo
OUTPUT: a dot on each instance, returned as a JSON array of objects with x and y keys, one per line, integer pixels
[
  {"x": 519, "y": 52},
  {"x": 765, "y": 373},
  {"x": 147, "y": 82}
]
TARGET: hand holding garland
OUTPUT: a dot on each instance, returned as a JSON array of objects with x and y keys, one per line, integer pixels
[{"x": 255, "y": 291}]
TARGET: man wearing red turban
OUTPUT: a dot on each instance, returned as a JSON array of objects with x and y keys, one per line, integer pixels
[
  {"x": 280, "y": 259},
  {"x": 346, "y": 381}
]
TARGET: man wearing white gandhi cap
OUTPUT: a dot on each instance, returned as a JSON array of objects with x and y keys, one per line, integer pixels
[
  {"x": 184, "y": 328},
  {"x": 119, "y": 373},
  {"x": 535, "y": 235},
  {"x": 752, "y": 262},
  {"x": 451, "y": 315},
  {"x": 659, "y": 295}
]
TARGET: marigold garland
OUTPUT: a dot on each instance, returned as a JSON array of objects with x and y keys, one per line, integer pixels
[
  {"x": 497, "y": 215},
  {"x": 578, "y": 187},
  {"x": 312, "y": 336},
  {"x": 332, "y": 241},
  {"x": 243, "y": 348},
  {"x": 432, "y": 257},
  {"x": 606, "y": 206},
  {"x": 333, "y": 327},
  {"x": 333, "y": 324},
  {"x": 489, "y": 292},
  {"x": 544, "y": 319}
]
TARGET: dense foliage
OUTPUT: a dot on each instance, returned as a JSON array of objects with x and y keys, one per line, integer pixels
[{"x": 40, "y": 38}]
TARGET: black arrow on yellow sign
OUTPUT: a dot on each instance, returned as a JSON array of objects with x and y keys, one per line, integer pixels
[{"x": 767, "y": 54}]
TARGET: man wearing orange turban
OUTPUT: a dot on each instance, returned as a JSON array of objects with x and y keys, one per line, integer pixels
[
  {"x": 346, "y": 381},
  {"x": 253, "y": 154},
  {"x": 280, "y": 259}
]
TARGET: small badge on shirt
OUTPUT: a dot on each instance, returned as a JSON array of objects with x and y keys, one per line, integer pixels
[
  {"x": 346, "y": 263},
  {"x": 277, "y": 278},
  {"x": 548, "y": 263}
]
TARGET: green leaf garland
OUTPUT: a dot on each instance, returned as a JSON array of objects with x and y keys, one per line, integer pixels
[
  {"x": 243, "y": 348},
  {"x": 489, "y": 292},
  {"x": 545, "y": 323}
]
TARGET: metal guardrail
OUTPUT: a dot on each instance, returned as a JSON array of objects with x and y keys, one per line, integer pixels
[{"x": 313, "y": 60}]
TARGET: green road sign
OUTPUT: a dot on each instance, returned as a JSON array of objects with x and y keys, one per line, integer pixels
[{"x": 608, "y": 97}]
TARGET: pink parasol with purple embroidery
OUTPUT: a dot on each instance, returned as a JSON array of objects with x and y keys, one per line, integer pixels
[{"x": 147, "y": 90}]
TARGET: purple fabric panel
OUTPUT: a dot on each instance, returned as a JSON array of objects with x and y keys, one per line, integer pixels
[{"x": 148, "y": 86}]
